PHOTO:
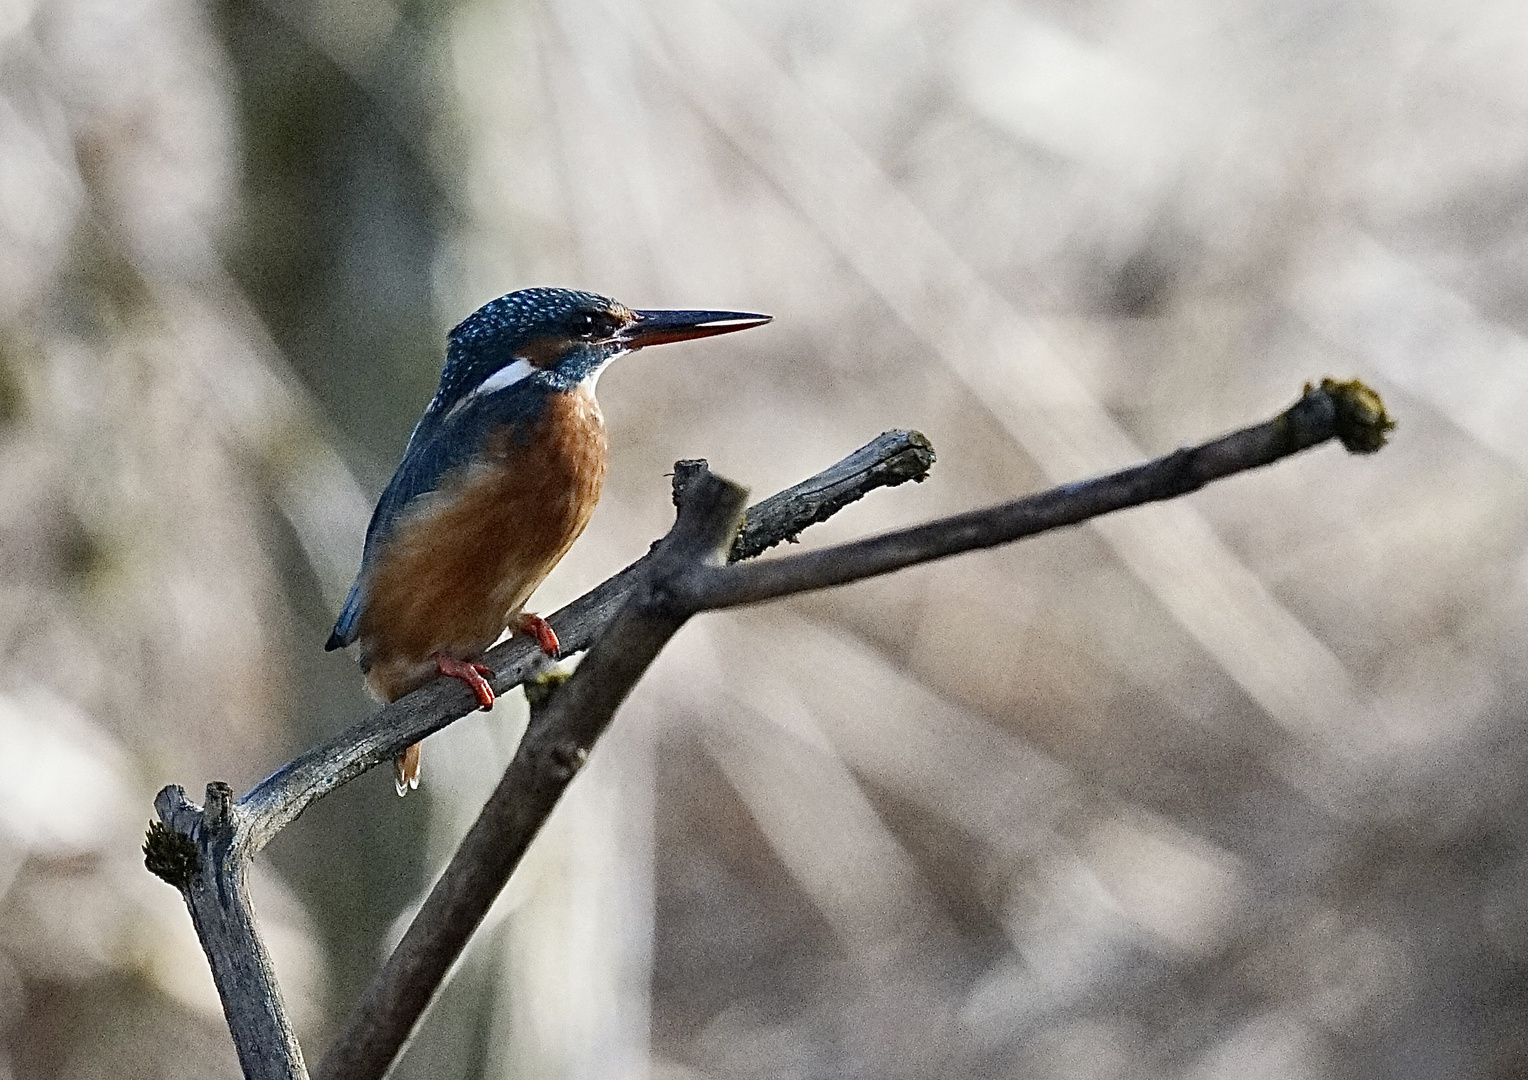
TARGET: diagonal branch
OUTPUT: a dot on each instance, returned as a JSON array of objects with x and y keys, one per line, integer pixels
[
  {"x": 205, "y": 853},
  {"x": 1348, "y": 412},
  {"x": 892, "y": 458},
  {"x": 559, "y": 739}
]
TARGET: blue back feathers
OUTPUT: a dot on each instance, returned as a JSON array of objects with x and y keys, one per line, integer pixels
[{"x": 559, "y": 330}]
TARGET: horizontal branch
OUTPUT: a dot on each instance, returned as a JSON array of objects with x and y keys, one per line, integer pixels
[
  {"x": 1348, "y": 412},
  {"x": 561, "y": 734},
  {"x": 893, "y": 458}
]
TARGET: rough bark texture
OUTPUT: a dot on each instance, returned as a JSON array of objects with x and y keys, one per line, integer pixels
[{"x": 205, "y": 844}]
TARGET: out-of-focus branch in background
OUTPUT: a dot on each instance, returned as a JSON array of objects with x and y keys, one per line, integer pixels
[{"x": 1249, "y": 791}]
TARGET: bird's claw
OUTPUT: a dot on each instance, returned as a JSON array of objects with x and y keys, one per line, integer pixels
[
  {"x": 474, "y": 674},
  {"x": 542, "y": 631}
]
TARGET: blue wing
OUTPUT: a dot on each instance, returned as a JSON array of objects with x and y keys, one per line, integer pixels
[{"x": 439, "y": 446}]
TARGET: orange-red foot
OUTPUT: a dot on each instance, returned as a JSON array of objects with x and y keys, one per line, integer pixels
[
  {"x": 472, "y": 673},
  {"x": 542, "y": 631}
]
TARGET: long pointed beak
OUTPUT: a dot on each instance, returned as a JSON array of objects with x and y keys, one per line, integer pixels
[{"x": 662, "y": 327}]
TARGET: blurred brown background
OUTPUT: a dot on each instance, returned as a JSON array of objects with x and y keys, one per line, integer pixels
[{"x": 1231, "y": 787}]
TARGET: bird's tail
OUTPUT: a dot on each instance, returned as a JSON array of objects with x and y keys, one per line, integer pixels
[{"x": 406, "y": 770}]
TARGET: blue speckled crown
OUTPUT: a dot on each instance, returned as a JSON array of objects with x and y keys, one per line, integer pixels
[{"x": 529, "y": 312}]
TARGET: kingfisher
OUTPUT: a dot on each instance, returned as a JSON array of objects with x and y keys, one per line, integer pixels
[{"x": 499, "y": 478}]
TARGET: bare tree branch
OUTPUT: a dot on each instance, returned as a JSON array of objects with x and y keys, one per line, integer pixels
[
  {"x": 196, "y": 850},
  {"x": 1345, "y": 411},
  {"x": 205, "y": 853},
  {"x": 632, "y": 615},
  {"x": 893, "y": 458},
  {"x": 559, "y": 739}
]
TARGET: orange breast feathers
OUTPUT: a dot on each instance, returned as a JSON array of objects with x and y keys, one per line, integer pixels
[{"x": 464, "y": 559}]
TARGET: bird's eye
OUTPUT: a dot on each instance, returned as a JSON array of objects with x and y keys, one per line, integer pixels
[{"x": 594, "y": 326}]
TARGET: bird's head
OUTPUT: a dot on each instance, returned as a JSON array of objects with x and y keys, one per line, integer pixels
[{"x": 559, "y": 338}]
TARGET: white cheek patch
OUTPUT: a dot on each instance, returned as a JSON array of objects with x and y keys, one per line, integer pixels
[{"x": 506, "y": 376}]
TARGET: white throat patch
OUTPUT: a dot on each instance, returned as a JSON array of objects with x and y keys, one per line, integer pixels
[{"x": 591, "y": 379}]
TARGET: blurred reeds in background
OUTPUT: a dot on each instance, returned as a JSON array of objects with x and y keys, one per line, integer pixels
[{"x": 1228, "y": 787}]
